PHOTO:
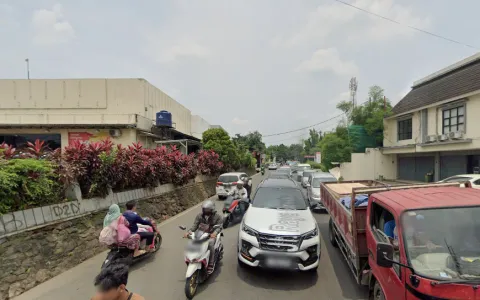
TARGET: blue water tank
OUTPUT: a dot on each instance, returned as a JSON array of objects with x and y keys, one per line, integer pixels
[{"x": 164, "y": 118}]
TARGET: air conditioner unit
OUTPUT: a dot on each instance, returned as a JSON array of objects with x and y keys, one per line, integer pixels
[
  {"x": 431, "y": 138},
  {"x": 115, "y": 132},
  {"x": 458, "y": 135},
  {"x": 443, "y": 137}
]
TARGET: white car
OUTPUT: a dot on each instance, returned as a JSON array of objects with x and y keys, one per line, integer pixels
[
  {"x": 272, "y": 166},
  {"x": 473, "y": 178},
  {"x": 226, "y": 182},
  {"x": 278, "y": 230}
]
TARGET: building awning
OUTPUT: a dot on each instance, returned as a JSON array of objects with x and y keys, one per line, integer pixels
[{"x": 145, "y": 133}]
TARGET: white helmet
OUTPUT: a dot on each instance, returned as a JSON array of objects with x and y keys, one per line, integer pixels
[{"x": 208, "y": 207}]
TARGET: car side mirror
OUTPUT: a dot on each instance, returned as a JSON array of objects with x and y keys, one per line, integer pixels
[{"x": 384, "y": 255}]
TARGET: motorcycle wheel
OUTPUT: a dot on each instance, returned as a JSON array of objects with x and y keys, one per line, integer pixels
[
  {"x": 191, "y": 285},
  {"x": 226, "y": 222},
  {"x": 158, "y": 241}
]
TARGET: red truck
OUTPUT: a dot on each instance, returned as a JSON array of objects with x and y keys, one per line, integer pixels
[{"x": 434, "y": 252}]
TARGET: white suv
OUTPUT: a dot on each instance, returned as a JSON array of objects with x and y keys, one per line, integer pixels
[
  {"x": 278, "y": 229},
  {"x": 226, "y": 182}
]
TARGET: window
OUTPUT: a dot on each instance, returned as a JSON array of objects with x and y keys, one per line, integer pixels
[
  {"x": 454, "y": 119},
  {"x": 279, "y": 198},
  {"x": 19, "y": 141},
  {"x": 383, "y": 226},
  {"x": 405, "y": 129}
]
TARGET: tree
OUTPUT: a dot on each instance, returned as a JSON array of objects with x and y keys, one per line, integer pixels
[
  {"x": 218, "y": 140},
  {"x": 371, "y": 114},
  {"x": 335, "y": 147},
  {"x": 295, "y": 152},
  {"x": 312, "y": 142},
  {"x": 253, "y": 141}
]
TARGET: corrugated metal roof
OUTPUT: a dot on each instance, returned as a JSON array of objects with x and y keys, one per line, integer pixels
[
  {"x": 461, "y": 81},
  {"x": 431, "y": 197}
]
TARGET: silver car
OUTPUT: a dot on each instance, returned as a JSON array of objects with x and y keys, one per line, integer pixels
[
  {"x": 313, "y": 189},
  {"x": 305, "y": 176}
]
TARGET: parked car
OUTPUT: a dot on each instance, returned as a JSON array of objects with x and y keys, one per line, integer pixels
[
  {"x": 278, "y": 230},
  {"x": 227, "y": 181},
  {"x": 313, "y": 189},
  {"x": 305, "y": 175},
  {"x": 474, "y": 179}
]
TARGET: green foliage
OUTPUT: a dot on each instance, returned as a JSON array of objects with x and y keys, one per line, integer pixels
[
  {"x": 311, "y": 144},
  {"x": 317, "y": 166},
  {"x": 252, "y": 141},
  {"x": 218, "y": 140},
  {"x": 335, "y": 147},
  {"x": 104, "y": 175},
  {"x": 27, "y": 183}
]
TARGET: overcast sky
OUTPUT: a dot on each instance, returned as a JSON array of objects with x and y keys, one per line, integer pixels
[{"x": 267, "y": 65}]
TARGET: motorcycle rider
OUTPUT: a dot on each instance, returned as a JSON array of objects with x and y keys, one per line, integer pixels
[
  {"x": 134, "y": 219},
  {"x": 208, "y": 218},
  {"x": 240, "y": 193}
]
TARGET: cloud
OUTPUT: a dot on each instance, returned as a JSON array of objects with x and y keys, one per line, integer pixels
[
  {"x": 50, "y": 26},
  {"x": 328, "y": 60},
  {"x": 181, "y": 50},
  {"x": 238, "y": 121},
  {"x": 340, "y": 97},
  {"x": 331, "y": 19}
]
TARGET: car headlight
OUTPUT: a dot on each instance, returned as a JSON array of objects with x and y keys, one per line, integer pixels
[
  {"x": 248, "y": 230},
  {"x": 310, "y": 234}
]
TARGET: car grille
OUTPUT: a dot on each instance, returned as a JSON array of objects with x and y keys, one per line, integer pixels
[{"x": 280, "y": 243}]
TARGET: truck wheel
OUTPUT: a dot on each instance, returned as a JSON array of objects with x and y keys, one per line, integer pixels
[
  {"x": 378, "y": 292},
  {"x": 331, "y": 234}
]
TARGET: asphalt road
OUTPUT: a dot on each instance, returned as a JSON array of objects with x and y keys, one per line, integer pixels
[{"x": 163, "y": 276}]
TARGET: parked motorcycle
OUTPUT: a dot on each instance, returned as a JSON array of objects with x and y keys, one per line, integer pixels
[
  {"x": 124, "y": 255},
  {"x": 233, "y": 211},
  {"x": 196, "y": 258}
]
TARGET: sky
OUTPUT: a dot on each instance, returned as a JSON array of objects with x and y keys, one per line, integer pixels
[{"x": 268, "y": 65}]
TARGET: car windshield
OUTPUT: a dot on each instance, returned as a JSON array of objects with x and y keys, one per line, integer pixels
[
  {"x": 283, "y": 170},
  {"x": 317, "y": 180},
  {"x": 228, "y": 178},
  {"x": 279, "y": 198},
  {"x": 443, "y": 243}
]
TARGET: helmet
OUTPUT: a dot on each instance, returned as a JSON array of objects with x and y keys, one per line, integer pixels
[
  {"x": 239, "y": 184},
  {"x": 208, "y": 207}
]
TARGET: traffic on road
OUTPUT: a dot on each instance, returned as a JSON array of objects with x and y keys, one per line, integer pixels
[{"x": 287, "y": 240}]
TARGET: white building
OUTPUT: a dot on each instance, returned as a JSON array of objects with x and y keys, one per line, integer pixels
[{"x": 62, "y": 110}]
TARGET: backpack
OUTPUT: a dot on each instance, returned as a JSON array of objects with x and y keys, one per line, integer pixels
[
  {"x": 123, "y": 232},
  {"x": 108, "y": 235}
]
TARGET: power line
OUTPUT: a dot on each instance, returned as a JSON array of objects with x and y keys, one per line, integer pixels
[
  {"x": 307, "y": 127},
  {"x": 325, "y": 121},
  {"x": 409, "y": 26}
]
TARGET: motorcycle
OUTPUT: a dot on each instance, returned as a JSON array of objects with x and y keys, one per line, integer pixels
[
  {"x": 121, "y": 254},
  {"x": 197, "y": 256},
  {"x": 232, "y": 211}
]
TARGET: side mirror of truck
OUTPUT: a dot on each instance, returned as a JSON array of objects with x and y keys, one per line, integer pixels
[{"x": 384, "y": 255}]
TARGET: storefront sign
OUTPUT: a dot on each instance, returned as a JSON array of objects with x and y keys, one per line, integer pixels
[
  {"x": 87, "y": 137},
  {"x": 318, "y": 157}
]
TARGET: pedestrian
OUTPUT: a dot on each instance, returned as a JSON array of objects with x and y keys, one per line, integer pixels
[{"x": 111, "y": 284}]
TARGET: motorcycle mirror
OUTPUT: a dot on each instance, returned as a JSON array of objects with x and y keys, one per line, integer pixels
[{"x": 182, "y": 227}]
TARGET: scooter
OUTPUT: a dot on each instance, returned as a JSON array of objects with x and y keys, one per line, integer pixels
[
  {"x": 196, "y": 258},
  {"x": 232, "y": 211},
  {"x": 121, "y": 254},
  {"x": 263, "y": 170}
]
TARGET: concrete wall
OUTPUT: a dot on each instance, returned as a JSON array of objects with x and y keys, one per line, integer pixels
[
  {"x": 199, "y": 125},
  {"x": 34, "y": 256},
  {"x": 86, "y": 101},
  {"x": 369, "y": 166}
]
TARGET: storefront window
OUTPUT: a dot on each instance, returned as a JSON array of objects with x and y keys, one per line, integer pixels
[{"x": 19, "y": 141}]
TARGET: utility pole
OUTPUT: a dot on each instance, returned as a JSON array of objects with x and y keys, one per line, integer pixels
[
  {"x": 28, "y": 68},
  {"x": 353, "y": 90}
]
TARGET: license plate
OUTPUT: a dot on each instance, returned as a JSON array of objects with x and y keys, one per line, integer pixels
[{"x": 278, "y": 263}]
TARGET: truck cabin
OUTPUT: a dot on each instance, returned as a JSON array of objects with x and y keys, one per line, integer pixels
[{"x": 436, "y": 249}]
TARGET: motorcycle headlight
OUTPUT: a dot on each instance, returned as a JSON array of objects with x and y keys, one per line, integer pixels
[
  {"x": 248, "y": 230},
  {"x": 310, "y": 234}
]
